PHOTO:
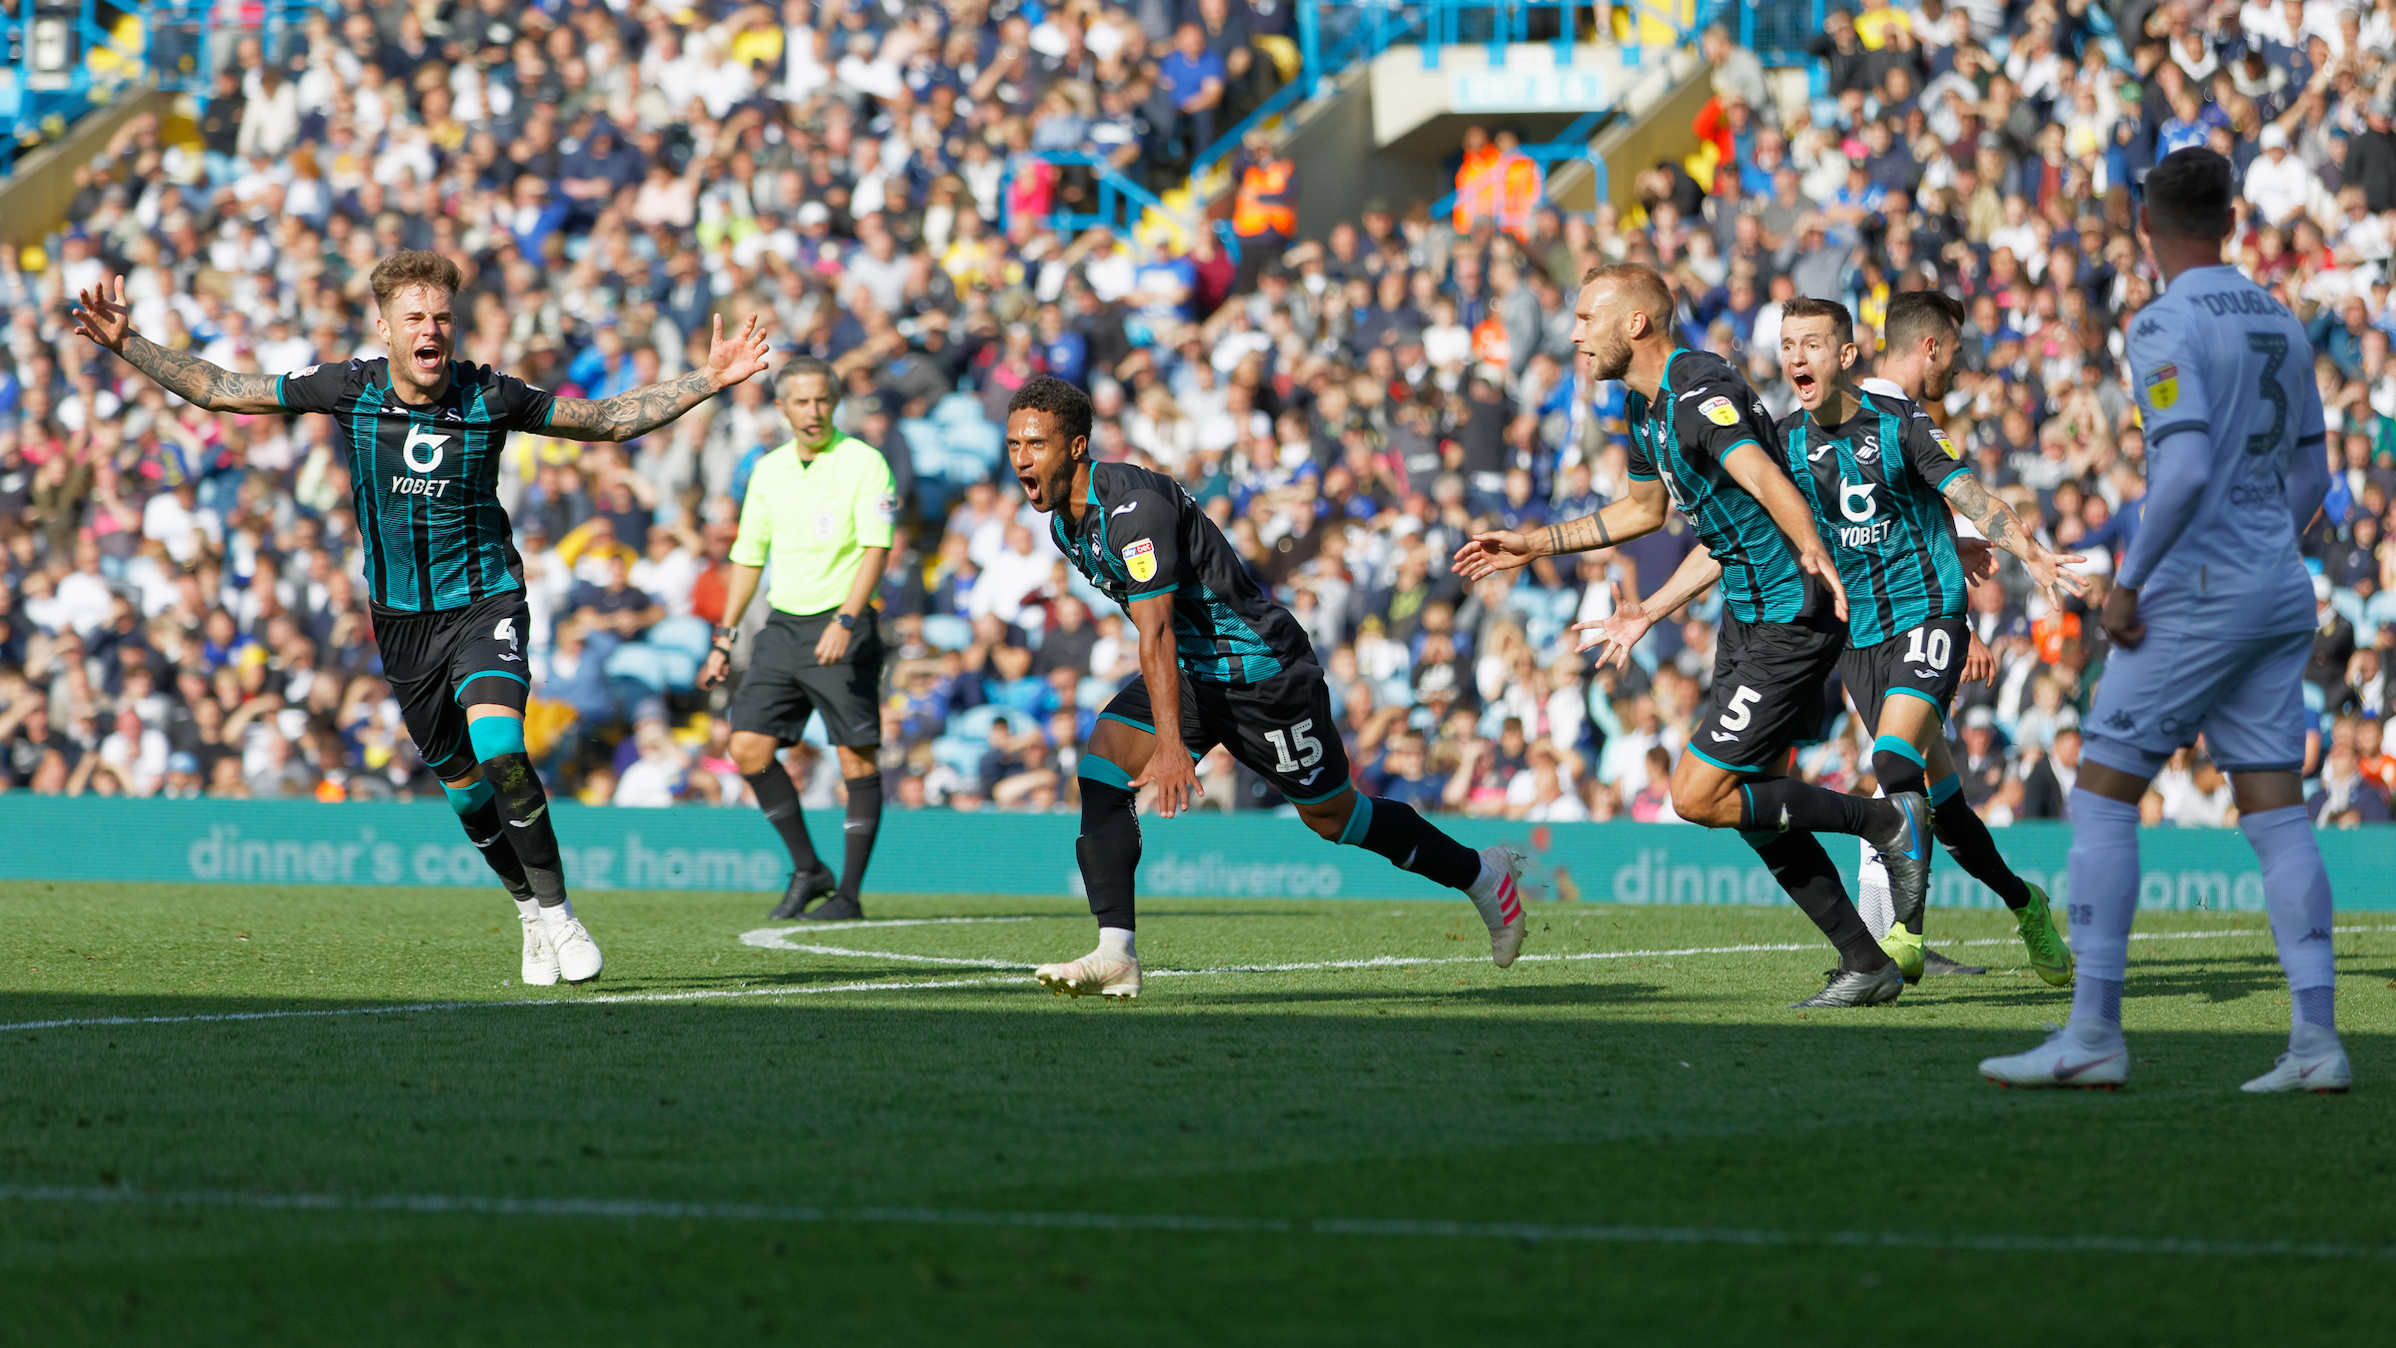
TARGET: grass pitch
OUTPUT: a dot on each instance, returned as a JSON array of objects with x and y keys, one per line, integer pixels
[{"x": 909, "y": 1142}]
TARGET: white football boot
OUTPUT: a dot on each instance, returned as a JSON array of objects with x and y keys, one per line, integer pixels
[
  {"x": 2315, "y": 1061},
  {"x": 2099, "y": 1061},
  {"x": 578, "y": 959},
  {"x": 540, "y": 958},
  {"x": 1498, "y": 894},
  {"x": 1101, "y": 973}
]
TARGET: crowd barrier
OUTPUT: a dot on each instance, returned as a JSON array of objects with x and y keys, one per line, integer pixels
[{"x": 1211, "y": 855}]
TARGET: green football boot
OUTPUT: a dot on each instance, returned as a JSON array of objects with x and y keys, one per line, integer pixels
[
  {"x": 1906, "y": 949},
  {"x": 2048, "y": 954}
]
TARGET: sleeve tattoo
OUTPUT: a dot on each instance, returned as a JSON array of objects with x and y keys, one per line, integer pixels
[
  {"x": 197, "y": 381},
  {"x": 1581, "y": 535},
  {"x": 629, "y": 416},
  {"x": 1993, "y": 518}
]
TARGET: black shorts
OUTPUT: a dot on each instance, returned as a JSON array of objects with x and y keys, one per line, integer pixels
[
  {"x": 439, "y": 663},
  {"x": 1767, "y": 695},
  {"x": 1924, "y": 662},
  {"x": 1281, "y": 728},
  {"x": 784, "y": 685}
]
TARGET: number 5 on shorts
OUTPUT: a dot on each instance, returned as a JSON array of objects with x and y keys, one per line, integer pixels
[
  {"x": 1736, "y": 715},
  {"x": 1307, "y": 744}
]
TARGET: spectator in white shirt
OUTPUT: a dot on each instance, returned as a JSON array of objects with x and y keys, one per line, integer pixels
[{"x": 2279, "y": 184}]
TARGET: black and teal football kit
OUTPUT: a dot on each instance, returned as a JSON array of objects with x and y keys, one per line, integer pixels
[
  {"x": 443, "y": 578},
  {"x": 1249, "y": 678},
  {"x": 446, "y": 589},
  {"x": 1780, "y": 634},
  {"x": 1874, "y": 483},
  {"x": 1249, "y": 682}
]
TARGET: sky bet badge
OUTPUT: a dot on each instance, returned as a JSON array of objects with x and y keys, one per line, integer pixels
[
  {"x": 1140, "y": 559},
  {"x": 1945, "y": 442},
  {"x": 2163, "y": 387},
  {"x": 1720, "y": 411}
]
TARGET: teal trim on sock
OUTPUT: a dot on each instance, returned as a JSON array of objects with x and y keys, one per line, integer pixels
[
  {"x": 496, "y": 735},
  {"x": 466, "y": 800},
  {"x": 1104, "y": 771},
  {"x": 1944, "y": 787},
  {"x": 1360, "y": 820},
  {"x": 1891, "y": 744}
]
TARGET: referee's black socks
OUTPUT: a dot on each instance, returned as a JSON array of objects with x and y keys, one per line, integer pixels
[
  {"x": 858, "y": 830},
  {"x": 780, "y": 801},
  {"x": 499, "y": 742}
]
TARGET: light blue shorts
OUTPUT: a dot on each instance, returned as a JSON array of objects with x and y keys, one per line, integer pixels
[{"x": 2244, "y": 695}]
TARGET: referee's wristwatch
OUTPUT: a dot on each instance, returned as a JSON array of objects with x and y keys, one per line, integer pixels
[
  {"x": 725, "y": 636},
  {"x": 847, "y": 620}
]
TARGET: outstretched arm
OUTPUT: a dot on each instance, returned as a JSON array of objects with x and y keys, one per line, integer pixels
[
  {"x": 109, "y": 323},
  {"x": 1639, "y": 512},
  {"x": 629, "y": 416},
  {"x": 1614, "y": 635},
  {"x": 1999, "y": 525}
]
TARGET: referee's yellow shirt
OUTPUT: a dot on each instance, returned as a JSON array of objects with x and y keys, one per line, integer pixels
[{"x": 815, "y": 519}]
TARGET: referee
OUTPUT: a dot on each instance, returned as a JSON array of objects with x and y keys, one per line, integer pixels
[{"x": 820, "y": 505}]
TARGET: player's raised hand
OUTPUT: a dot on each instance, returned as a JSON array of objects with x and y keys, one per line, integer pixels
[
  {"x": 1979, "y": 558},
  {"x": 2119, "y": 618},
  {"x": 1484, "y": 555},
  {"x": 1816, "y": 559},
  {"x": 2052, "y": 571},
  {"x": 1175, "y": 777},
  {"x": 107, "y": 322},
  {"x": 1979, "y": 662},
  {"x": 745, "y": 355},
  {"x": 1614, "y": 635}
]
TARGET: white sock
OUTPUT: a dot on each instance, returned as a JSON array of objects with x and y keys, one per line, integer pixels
[
  {"x": 2103, "y": 900},
  {"x": 528, "y": 908},
  {"x": 559, "y": 914},
  {"x": 2296, "y": 896},
  {"x": 1494, "y": 896},
  {"x": 1119, "y": 942}
]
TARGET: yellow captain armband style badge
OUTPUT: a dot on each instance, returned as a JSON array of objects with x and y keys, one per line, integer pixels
[
  {"x": 1946, "y": 442},
  {"x": 1140, "y": 560},
  {"x": 2162, "y": 386},
  {"x": 1720, "y": 411}
]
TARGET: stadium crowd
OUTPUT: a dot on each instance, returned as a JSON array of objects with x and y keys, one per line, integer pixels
[{"x": 182, "y": 613}]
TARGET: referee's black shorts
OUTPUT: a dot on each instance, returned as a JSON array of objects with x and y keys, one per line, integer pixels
[{"x": 784, "y": 685}]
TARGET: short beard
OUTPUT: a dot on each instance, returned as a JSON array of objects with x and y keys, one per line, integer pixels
[{"x": 1611, "y": 361}]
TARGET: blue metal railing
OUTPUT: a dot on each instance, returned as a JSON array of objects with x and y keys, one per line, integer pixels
[
  {"x": 72, "y": 56},
  {"x": 1777, "y": 30},
  {"x": 1121, "y": 202}
]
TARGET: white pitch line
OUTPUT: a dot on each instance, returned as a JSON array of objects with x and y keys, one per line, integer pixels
[
  {"x": 726, "y": 994},
  {"x": 1389, "y": 1228}
]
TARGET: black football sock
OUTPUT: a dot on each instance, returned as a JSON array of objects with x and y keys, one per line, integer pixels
[
  {"x": 780, "y": 801},
  {"x": 1784, "y": 804},
  {"x": 1953, "y": 822},
  {"x": 1109, "y": 851},
  {"x": 865, "y": 819},
  {"x": 478, "y": 812},
  {"x": 1392, "y": 829},
  {"x": 1899, "y": 769},
  {"x": 1798, "y": 862},
  {"x": 525, "y": 807},
  {"x": 488, "y": 832}
]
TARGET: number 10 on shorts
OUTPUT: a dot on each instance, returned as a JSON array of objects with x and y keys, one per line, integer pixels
[
  {"x": 1310, "y": 748},
  {"x": 1929, "y": 646}
]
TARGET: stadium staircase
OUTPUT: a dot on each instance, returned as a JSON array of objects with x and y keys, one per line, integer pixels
[{"x": 1381, "y": 90}]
